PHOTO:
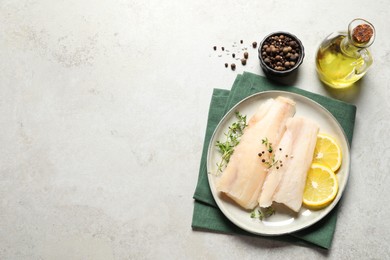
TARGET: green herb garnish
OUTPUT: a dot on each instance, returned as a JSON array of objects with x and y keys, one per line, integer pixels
[
  {"x": 262, "y": 213},
  {"x": 232, "y": 140},
  {"x": 267, "y": 144},
  {"x": 271, "y": 162}
]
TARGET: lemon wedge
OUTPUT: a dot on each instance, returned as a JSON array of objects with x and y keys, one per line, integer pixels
[
  {"x": 327, "y": 152},
  {"x": 321, "y": 187}
]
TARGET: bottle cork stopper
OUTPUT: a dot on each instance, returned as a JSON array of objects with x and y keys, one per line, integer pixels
[{"x": 362, "y": 33}]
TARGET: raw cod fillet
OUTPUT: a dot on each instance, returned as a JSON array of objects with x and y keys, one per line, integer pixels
[
  {"x": 244, "y": 175},
  {"x": 286, "y": 184}
]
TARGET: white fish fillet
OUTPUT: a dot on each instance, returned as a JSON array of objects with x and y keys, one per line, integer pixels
[
  {"x": 286, "y": 184},
  {"x": 244, "y": 175},
  {"x": 274, "y": 175}
]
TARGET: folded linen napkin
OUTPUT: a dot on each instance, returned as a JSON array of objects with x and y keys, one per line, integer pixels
[{"x": 206, "y": 214}]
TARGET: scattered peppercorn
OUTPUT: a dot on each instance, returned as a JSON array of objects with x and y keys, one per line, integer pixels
[
  {"x": 280, "y": 149},
  {"x": 243, "y": 60},
  {"x": 277, "y": 167},
  {"x": 286, "y": 155},
  {"x": 263, "y": 160},
  {"x": 259, "y": 154},
  {"x": 262, "y": 152}
]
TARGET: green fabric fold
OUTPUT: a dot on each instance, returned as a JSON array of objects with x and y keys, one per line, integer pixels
[{"x": 206, "y": 214}]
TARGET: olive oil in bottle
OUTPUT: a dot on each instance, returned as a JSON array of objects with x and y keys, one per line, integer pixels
[{"x": 343, "y": 57}]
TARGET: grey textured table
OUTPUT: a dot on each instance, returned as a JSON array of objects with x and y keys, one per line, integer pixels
[{"x": 103, "y": 109}]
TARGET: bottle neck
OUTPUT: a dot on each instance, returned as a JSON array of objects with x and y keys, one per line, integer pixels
[{"x": 349, "y": 49}]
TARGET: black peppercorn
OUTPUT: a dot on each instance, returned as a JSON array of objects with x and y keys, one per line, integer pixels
[
  {"x": 233, "y": 66},
  {"x": 280, "y": 52}
]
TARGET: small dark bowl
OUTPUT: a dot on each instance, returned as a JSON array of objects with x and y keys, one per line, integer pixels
[{"x": 272, "y": 71}]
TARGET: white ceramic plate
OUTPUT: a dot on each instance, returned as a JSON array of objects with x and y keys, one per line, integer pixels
[{"x": 282, "y": 222}]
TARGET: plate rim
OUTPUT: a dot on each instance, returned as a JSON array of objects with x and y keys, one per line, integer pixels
[{"x": 327, "y": 210}]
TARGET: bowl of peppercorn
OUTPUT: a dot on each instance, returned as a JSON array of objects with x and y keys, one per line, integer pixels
[{"x": 280, "y": 53}]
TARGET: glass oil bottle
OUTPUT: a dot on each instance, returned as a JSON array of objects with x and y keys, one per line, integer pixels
[{"x": 343, "y": 57}]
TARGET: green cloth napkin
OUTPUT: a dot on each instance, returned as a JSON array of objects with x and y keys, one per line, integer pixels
[{"x": 206, "y": 215}]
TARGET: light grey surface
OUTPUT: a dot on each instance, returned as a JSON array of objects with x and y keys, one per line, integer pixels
[{"x": 103, "y": 109}]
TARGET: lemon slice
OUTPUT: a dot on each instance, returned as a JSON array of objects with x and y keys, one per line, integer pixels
[
  {"x": 327, "y": 152},
  {"x": 321, "y": 187}
]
